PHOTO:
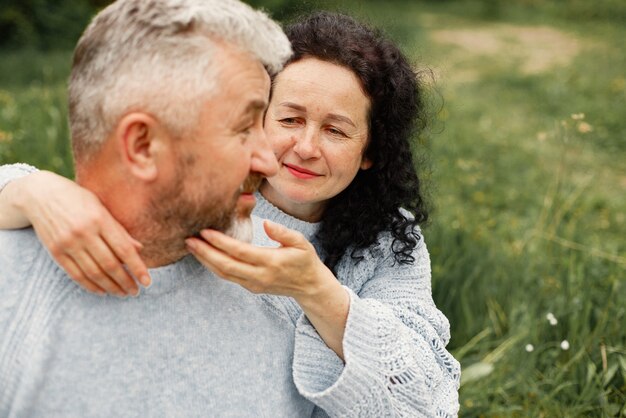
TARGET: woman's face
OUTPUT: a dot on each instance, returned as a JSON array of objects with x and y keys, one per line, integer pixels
[{"x": 317, "y": 124}]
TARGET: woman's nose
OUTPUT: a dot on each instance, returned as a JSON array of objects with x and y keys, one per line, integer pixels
[{"x": 307, "y": 144}]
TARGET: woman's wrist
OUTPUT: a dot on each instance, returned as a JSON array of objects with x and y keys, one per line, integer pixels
[
  {"x": 14, "y": 204},
  {"x": 326, "y": 289},
  {"x": 27, "y": 191},
  {"x": 327, "y": 310}
]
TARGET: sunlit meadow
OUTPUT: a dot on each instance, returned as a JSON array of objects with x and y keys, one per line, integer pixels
[{"x": 528, "y": 179}]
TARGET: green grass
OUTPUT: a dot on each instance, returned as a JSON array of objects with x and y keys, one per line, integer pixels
[
  {"x": 530, "y": 201},
  {"x": 33, "y": 110}
]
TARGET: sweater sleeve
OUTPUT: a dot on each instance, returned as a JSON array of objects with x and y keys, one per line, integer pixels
[
  {"x": 396, "y": 363},
  {"x": 10, "y": 172}
]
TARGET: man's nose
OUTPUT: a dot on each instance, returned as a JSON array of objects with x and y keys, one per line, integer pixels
[{"x": 263, "y": 159}]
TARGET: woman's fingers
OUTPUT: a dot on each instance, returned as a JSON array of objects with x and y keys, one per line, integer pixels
[
  {"x": 126, "y": 250},
  {"x": 111, "y": 266},
  {"x": 78, "y": 275},
  {"x": 95, "y": 274},
  {"x": 221, "y": 263},
  {"x": 240, "y": 250},
  {"x": 283, "y": 235}
]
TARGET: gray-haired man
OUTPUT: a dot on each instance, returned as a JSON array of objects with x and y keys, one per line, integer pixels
[{"x": 166, "y": 106}]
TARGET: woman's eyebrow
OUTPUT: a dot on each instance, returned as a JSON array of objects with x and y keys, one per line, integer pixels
[
  {"x": 340, "y": 118},
  {"x": 293, "y": 106}
]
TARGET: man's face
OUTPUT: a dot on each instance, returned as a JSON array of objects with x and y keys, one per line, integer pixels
[{"x": 222, "y": 163}]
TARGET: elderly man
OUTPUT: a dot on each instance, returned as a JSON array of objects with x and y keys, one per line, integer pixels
[{"x": 166, "y": 106}]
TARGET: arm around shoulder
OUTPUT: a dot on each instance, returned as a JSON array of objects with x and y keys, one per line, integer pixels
[{"x": 12, "y": 195}]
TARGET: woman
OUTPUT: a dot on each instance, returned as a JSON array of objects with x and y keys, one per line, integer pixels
[{"x": 340, "y": 120}]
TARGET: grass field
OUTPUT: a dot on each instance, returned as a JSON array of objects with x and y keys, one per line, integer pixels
[{"x": 528, "y": 163}]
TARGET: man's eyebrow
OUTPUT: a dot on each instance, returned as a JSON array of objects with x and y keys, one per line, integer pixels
[
  {"x": 331, "y": 116},
  {"x": 256, "y": 105}
]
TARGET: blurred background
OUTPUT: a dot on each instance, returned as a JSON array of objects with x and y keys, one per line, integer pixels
[{"x": 527, "y": 174}]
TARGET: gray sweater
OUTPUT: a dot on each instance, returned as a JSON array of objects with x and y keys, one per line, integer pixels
[{"x": 196, "y": 345}]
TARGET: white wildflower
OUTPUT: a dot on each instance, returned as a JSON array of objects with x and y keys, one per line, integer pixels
[
  {"x": 564, "y": 345},
  {"x": 552, "y": 319},
  {"x": 529, "y": 348}
]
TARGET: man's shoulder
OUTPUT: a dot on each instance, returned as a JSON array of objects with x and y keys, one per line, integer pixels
[
  {"x": 18, "y": 244},
  {"x": 21, "y": 234}
]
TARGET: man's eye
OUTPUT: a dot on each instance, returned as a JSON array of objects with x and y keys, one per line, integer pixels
[{"x": 245, "y": 133}]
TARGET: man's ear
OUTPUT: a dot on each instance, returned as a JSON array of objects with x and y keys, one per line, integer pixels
[{"x": 140, "y": 140}]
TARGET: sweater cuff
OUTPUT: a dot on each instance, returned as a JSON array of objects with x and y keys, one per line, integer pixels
[
  {"x": 321, "y": 376},
  {"x": 10, "y": 172}
]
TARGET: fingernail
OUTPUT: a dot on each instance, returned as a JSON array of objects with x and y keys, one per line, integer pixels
[
  {"x": 206, "y": 234},
  {"x": 190, "y": 244},
  {"x": 145, "y": 280}
]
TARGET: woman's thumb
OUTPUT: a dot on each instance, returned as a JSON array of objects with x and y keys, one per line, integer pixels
[{"x": 283, "y": 235}]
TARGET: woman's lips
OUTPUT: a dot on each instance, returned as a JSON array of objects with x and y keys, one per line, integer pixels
[{"x": 301, "y": 173}]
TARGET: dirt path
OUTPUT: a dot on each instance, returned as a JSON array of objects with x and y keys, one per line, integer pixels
[{"x": 537, "y": 49}]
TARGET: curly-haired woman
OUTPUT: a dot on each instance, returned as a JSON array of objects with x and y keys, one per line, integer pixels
[{"x": 355, "y": 277}]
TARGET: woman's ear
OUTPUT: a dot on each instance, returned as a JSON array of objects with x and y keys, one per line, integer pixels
[
  {"x": 139, "y": 138},
  {"x": 366, "y": 163}
]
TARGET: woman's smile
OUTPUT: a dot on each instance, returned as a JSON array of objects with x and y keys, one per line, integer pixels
[{"x": 300, "y": 172}]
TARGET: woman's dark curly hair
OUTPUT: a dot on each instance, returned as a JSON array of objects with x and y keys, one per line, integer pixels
[{"x": 370, "y": 204}]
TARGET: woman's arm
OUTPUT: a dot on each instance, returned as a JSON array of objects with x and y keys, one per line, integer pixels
[
  {"x": 396, "y": 363},
  {"x": 11, "y": 217},
  {"x": 382, "y": 348},
  {"x": 81, "y": 235},
  {"x": 11, "y": 213}
]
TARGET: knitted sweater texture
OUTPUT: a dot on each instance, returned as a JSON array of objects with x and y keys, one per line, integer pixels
[{"x": 196, "y": 345}]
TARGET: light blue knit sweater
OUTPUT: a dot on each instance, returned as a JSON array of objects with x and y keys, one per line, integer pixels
[{"x": 196, "y": 345}]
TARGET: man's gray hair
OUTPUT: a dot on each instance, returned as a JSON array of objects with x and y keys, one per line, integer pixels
[{"x": 157, "y": 56}]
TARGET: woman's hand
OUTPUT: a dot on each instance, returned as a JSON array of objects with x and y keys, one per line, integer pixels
[
  {"x": 294, "y": 269},
  {"x": 79, "y": 232}
]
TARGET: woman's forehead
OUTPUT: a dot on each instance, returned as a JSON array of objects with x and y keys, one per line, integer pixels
[{"x": 313, "y": 81}]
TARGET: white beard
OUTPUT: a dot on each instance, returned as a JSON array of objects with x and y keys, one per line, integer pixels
[{"x": 241, "y": 229}]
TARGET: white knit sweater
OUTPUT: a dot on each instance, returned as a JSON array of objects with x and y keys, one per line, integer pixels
[{"x": 396, "y": 363}]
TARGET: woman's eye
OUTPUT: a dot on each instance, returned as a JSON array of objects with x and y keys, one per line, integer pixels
[
  {"x": 288, "y": 121},
  {"x": 336, "y": 132}
]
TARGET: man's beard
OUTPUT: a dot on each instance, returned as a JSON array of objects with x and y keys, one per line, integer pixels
[
  {"x": 183, "y": 210},
  {"x": 241, "y": 226},
  {"x": 241, "y": 229}
]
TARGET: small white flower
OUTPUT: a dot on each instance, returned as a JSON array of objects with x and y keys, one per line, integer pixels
[
  {"x": 564, "y": 345},
  {"x": 552, "y": 319},
  {"x": 530, "y": 348}
]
